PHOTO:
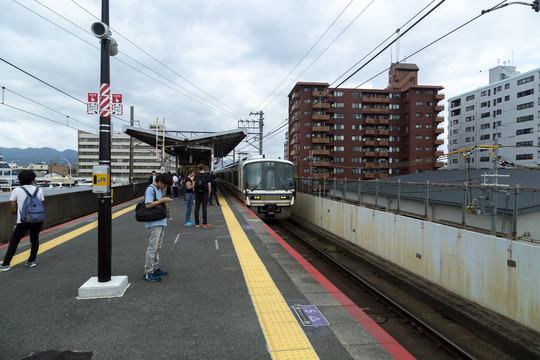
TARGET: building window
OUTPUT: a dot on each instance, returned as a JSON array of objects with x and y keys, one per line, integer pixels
[
  {"x": 419, "y": 92},
  {"x": 356, "y": 138},
  {"x": 307, "y": 136},
  {"x": 525, "y": 118},
  {"x": 455, "y": 112},
  {"x": 338, "y": 93},
  {"x": 339, "y": 127},
  {"x": 484, "y": 137},
  {"x": 469, "y": 128},
  {"x": 338, "y": 105},
  {"x": 394, "y": 95},
  {"x": 339, "y": 116},
  {"x": 524, "y": 143},
  {"x": 419, "y": 114},
  {"x": 339, "y": 171},
  {"x": 484, "y": 159},
  {"x": 485, "y": 104},
  {"x": 418, "y": 126},
  {"x": 524, "y": 156},
  {"x": 469, "y": 98},
  {"x": 525, "y": 105},
  {"x": 429, "y": 137},
  {"x": 356, "y": 116},
  {"x": 419, "y": 103},
  {"x": 306, "y": 112},
  {"x": 418, "y": 137},
  {"x": 524, "y": 131},
  {"x": 455, "y": 103},
  {"x": 339, "y": 159},
  {"x": 356, "y": 105},
  {"x": 356, "y": 149},
  {"x": 485, "y": 93},
  {"x": 429, "y": 126},
  {"x": 418, "y": 148},
  {"x": 356, "y": 94},
  {"x": 525, "y": 93},
  {"x": 307, "y": 101},
  {"x": 339, "y": 137},
  {"x": 469, "y": 108},
  {"x": 357, "y": 127},
  {"x": 393, "y": 106},
  {"x": 507, "y": 98},
  {"x": 339, "y": 148},
  {"x": 525, "y": 80},
  {"x": 484, "y": 126},
  {"x": 484, "y": 115}
]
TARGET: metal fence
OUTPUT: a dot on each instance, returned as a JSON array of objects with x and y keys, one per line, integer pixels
[{"x": 487, "y": 207}]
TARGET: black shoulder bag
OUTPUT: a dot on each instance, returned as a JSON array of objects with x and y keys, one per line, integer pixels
[{"x": 142, "y": 214}]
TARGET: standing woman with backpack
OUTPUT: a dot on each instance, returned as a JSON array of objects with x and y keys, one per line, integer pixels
[{"x": 26, "y": 201}]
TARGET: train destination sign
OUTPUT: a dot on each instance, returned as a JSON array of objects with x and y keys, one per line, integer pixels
[{"x": 309, "y": 315}]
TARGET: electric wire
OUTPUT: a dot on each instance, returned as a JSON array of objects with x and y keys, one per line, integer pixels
[
  {"x": 161, "y": 63},
  {"x": 306, "y": 54}
]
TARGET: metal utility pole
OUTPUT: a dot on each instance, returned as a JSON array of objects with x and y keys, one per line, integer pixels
[
  {"x": 104, "y": 200},
  {"x": 131, "y": 123},
  {"x": 252, "y": 124}
]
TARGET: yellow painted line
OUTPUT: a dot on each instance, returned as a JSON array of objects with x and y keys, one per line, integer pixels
[
  {"x": 284, "y": 336},
  {"x": 19, "y": 258}
]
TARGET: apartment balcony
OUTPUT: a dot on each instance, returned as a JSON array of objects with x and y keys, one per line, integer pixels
[
  {"x": 315, "y": 140},
  {"x": 320, "y": 152},
  {"x": 438, "y": 142},
  {"x": 439, "y": 131},
  {"x": 296, "y": 106},
  {"x": 438, "y": 164},
  {"x": 375, "y": 100},
  {"x": 370, "y": 121},
  {"x": 384, "y": 132},
  {"x": 382, "y": 143},
  {"x": 376, "y": 110},
  {"x": 370, "y": 164},
  {"x": 321, "y": 163},
  {"x": 368, "y": 143},
  {"x": 439, "y": 153},
  {"x": 439, "y": 108},
  {"x": 294, "y": 152},
  {"x": 382, "y": 153},
  {"x": 383, "y": 176},
  {"x": 369, "y": 176},
  {"x": 319, "y": 93},
  {"x": 295, "y": 95},
  {"x": 384, "y": 121},
  {"x": 320, "y": 128},
  {"x": 321, "y": 117},
  {"x": 294, "y": 130},
  {"x": 439, "y": 97},
  {"x": 369, "y": 131},
  {"x": 439, "y": 119},
  {"x": 321, "y": 105},
  {"x": 295, "y": 163},
  {"x": 295, "y": 141},
  {"x": 321, "y": 175}
]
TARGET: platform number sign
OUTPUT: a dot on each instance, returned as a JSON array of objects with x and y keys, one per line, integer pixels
[{"x": 309, "y": 315}]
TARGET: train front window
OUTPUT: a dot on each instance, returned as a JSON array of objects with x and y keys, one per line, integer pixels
[{"x": 268, "y": 175}]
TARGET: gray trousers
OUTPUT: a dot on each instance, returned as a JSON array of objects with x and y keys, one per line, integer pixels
[{"x": 151, "y": 262}]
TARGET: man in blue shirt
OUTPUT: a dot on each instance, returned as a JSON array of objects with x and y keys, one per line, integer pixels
[{"x": 154, "y": 197}]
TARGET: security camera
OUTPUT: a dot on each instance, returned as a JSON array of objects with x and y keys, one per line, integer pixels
[
  {"x": 100, "y": 30},
  {"x": 113, "y": 47}
]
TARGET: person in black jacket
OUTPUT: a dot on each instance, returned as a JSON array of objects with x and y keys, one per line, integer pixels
[
  {"x": 202, "y": 189},
  {"x": 152, "y": 177},
  {"x": 213, "y": 193}
]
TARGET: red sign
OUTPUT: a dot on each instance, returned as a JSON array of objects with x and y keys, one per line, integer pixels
[
  {"x": 92, "y": 105},
  {"x": 117, "y": 98},
  {"x": 92, "y": 97}
]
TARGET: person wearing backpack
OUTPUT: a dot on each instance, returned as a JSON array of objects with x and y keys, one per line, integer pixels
[
  {"x": 202, "y": 190},
  {"x": 26, "y": 200}
]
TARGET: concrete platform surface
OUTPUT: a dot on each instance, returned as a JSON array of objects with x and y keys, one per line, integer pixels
[{"x": 211, "y": 305}]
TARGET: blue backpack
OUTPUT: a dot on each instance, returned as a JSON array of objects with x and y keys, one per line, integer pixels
[{"x": 32, "y": 211}]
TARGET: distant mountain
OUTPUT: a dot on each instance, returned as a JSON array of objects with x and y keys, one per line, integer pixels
[{"x": 35, "y": 155}]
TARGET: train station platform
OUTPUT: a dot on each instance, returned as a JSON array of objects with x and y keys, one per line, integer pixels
[{"x": 234, "y": 290}]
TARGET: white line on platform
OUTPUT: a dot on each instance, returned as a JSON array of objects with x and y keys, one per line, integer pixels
[
  {"x": 217, "y": 246},
  {"x": 177, "y": 236}
]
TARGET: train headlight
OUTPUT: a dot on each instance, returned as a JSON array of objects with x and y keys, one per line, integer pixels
[
  {"x": 256, "y": 197},
  {"x": 285, "y": 197}
]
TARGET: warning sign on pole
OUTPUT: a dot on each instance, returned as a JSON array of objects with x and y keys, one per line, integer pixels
[
  {"x": 92, "y": 104},
  {"x": 117, "y": 106}
]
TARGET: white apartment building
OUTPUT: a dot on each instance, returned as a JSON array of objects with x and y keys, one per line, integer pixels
[
  {"x": 506, "y": 113},
  {"x": 144, "y": 156}
]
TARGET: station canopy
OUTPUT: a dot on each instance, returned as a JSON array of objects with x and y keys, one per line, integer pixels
[{"x": 195, "y": 149}]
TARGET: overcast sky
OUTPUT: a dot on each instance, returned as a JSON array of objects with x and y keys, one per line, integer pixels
[{"x": 204, "y": 65}]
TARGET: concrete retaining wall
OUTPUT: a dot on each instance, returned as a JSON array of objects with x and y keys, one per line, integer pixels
[
  {"x": 470, "y": 264},
  {"x": 64, "y": 207}
]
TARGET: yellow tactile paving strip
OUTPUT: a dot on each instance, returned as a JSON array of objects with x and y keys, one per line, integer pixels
[{"x": 285, "y": 338}]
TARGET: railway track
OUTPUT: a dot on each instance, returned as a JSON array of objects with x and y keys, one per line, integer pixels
[{"x": 420, "y": 338}]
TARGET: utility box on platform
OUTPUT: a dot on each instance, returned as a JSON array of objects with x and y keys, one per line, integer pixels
[{"x": 101, "y": 179}]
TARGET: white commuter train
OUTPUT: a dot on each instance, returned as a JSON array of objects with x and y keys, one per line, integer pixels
[{"x": 266, "y": 186}]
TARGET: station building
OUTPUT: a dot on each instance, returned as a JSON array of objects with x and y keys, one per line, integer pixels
[{"x": 366, "y": 133}]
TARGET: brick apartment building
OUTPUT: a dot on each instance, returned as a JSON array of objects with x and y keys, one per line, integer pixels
[{"x": 366, "y": 133}]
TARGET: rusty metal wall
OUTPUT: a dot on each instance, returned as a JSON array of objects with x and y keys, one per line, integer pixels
[{"x": 471, "y": 264}]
